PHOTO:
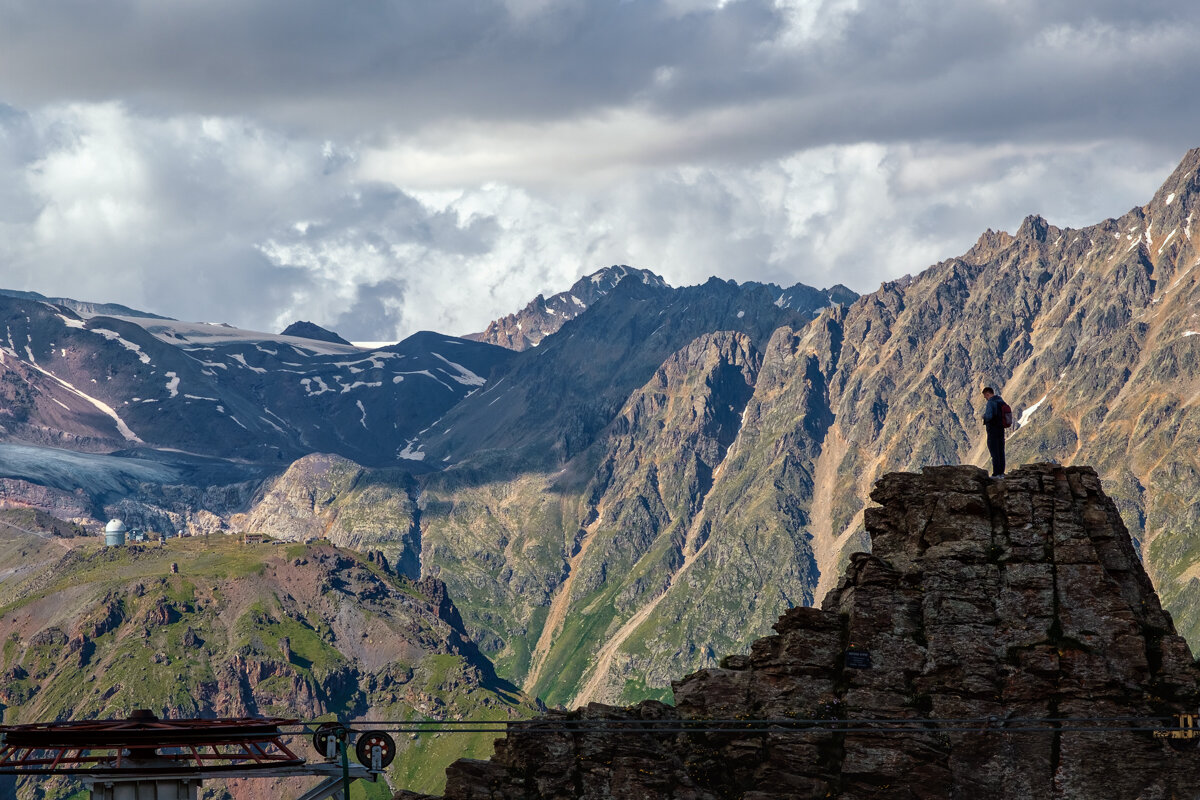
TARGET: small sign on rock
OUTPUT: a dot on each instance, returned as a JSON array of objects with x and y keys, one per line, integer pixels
[{"x": 858, "y": 659}]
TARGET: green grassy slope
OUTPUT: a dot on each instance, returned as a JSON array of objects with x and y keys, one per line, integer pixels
[{"x": 303, "y": 631}]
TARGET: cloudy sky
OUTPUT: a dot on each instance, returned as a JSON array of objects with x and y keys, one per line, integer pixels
[{"x": 384, "y": 166}]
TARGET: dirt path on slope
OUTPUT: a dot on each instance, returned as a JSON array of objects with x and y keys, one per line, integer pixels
[
  {"x": 691, "y": 553},
  {"x": 826, "y": 543},
  {"x": 40, "y": 534},
  {"x": 558, "y": 609},
  {"x": 604, "y": 659}
]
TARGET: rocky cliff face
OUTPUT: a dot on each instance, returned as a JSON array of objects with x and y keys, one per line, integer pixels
[
  {"x": 1014, "y": 604},
  {"x": 329, "y": 497}
]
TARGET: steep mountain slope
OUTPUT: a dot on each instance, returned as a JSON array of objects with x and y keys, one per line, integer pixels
[
  {"x": 102, "y": 383},
  {"x": 551, "y": 403},
  {"x": 293, "y": 630},
  {"x": 584, "y": 468}
]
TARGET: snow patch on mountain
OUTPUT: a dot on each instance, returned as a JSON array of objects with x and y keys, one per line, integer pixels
[
  {"x": 409, "y": 453},
  {"x": 242, "y": 360},
  {"x": 1027, "y": 413},
  {"x": 113, "y": 336},
  {"x": 308, "y": 382},
  {"x": 356, "y": 384},
  {"x": 465, "y": 376},
  {"x": 103, "y": 407},
  {"x": 1168, "y": 239}
]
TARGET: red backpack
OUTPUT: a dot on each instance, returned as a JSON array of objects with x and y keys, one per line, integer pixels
[{"x": 1006, "y": 415}]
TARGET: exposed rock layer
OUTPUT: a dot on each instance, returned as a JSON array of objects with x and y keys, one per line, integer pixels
[{"x": 1015, "y": 600}]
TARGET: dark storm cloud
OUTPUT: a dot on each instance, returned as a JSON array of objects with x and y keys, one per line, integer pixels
[
  {"x": 333, "y": 64},
  {"x": 807, "y": 74}
]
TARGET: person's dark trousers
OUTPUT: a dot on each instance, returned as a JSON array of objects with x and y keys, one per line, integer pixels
[{"x": 995, "y": 442}]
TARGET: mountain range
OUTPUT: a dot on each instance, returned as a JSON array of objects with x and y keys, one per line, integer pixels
[{"x": 620, "y": 491}]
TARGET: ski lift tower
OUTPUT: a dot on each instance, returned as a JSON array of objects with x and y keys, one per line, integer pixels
[{"x": 168, "y": 759}]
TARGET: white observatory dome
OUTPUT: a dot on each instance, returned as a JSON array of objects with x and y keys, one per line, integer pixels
[{"x": 115, "y": 526}]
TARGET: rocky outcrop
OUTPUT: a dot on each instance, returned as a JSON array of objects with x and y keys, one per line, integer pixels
[
  {"x": 1019, "y": 606},
  {"x": 72, "y": 506},
  {"x": 325, "y": 496}
]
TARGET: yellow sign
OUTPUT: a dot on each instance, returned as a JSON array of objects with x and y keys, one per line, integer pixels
[{"x": 1188, "y": 728}]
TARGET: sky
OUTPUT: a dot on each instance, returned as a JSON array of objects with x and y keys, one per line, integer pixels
[{"x": 386, "y": 166}]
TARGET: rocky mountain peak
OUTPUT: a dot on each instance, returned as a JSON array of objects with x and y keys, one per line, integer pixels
[
  {"x": 311, "y": 330},
  {"x": 1182, "y": 183},
  {"x": 990, "y": 243},
  {"x": 1034, "y": 227},
  {"x": 1171, "y": 220},
  {"x": 987, "y": 605},
  {"x": 545, "y": 315},
  {"x": 607, "y": 278}
]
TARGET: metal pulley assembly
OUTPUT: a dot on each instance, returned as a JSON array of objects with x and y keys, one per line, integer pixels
[
  {"x": 375, "y": 749},
  {"x": 326, "y": 737}
]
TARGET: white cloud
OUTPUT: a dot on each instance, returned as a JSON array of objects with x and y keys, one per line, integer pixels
[
  {"x": 220, "y": 218},
  {"x": 412, "y": 166}
]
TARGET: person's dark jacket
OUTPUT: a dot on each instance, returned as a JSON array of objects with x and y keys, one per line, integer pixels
[{"x": 992, "y": 417}]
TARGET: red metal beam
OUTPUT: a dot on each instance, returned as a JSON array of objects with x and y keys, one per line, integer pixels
[{"x": 238, "y": 743}]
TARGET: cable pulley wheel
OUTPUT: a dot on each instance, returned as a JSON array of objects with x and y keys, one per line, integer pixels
[
  {"x": 370, "y": 740},
  {"x": 324, "y": 732}
]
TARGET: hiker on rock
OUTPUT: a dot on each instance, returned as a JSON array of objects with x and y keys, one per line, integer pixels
[{"x": 996, "y": 417}]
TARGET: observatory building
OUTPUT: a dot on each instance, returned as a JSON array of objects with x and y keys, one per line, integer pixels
[{"x": 114, "y": 533}]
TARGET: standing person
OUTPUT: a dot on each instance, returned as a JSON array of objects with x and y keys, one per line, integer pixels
[{"x": 996, "y": 417}]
